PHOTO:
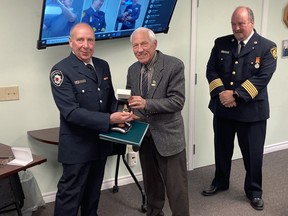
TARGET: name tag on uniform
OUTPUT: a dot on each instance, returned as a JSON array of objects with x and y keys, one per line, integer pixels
[
  {"x": 225, "y": 51},
  {"x": 77, "y": 82}
]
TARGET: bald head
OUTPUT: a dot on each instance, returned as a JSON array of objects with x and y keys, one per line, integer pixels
[
  {"x": 81, "y": 27},
  {"x": 244, "y": 9}
]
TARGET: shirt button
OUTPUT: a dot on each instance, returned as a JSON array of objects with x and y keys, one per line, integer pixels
[
  {"x": 99, "y": 89},
  {"x": 236, "y": 62},
  {"x": 100, "y": 101},
  {"x": 231, "y": 83},
  {"x": 234, "y": 72},
  {"x": 83, "y": 91}
]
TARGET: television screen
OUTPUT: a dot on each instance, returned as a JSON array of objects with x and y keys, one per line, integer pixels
[{"x": 109, "y": 18}]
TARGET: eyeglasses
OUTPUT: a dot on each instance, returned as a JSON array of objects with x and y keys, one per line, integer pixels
[{"x": 5, "y": 160}]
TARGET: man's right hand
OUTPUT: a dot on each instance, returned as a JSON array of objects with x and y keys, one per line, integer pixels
[{"x": 121, "y": 117}]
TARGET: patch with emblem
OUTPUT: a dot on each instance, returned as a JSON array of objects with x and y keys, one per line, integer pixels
[
  {"x": 57, "y": 77},
  {"x": 274, "y": 52}
]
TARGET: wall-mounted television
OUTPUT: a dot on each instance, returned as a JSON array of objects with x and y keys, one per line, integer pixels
[{"x": 109, "y": 19}]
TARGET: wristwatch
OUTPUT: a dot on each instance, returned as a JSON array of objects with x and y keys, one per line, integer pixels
[{"x": 235, "y": 95}]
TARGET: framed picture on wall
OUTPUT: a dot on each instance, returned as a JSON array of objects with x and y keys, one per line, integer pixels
[{"x": 285, "y": 49}]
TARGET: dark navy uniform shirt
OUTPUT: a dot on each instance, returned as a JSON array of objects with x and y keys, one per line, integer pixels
[
  {"x": 85, "y": 105},
  {"x": 96, "y": 19},
  {"x": 247, "y": 73}
]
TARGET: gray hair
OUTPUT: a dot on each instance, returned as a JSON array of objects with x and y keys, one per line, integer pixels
[{"x": 150, "y": 33}]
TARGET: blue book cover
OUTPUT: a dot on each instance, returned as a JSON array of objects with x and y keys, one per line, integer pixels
[{"x": 134, "y": 136}]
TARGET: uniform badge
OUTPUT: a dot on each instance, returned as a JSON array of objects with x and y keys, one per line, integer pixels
[
  {"x": 274, "y": 52},
  {"x": 257, "y": 62},
  {"x": 57, "y": 77}
]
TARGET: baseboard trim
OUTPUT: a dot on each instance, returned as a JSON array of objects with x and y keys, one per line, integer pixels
[
  {"x": 124, "y": 180},
  {"x": 275, "y": 147},
  {"x": 107, "y": 184},
  {"x": 49, "y": 197}
]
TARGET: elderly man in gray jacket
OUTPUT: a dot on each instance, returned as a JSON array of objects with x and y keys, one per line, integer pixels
[{"x": 157, "y": 86}]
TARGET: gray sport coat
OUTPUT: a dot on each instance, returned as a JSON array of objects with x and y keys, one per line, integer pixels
[{"x": 165, "y": 100}]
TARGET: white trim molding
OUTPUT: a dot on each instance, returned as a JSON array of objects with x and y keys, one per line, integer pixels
[
  {"x": 275, "y": 147},
  {"x": 264, "y": 18},
  {"x": 192, "y": 70}
]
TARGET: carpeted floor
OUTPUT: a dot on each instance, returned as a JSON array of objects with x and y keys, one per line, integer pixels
[{"x": 128, "y": 201}]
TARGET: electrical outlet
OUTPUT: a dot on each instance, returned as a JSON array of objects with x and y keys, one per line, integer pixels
[
  {"x": 132, "y": 158},
  {"x": 9, "y": 93}
]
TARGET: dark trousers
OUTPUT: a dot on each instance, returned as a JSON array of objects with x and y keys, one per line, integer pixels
[
  {"x": 164, "y": 172},
  {"x": 80, "y": 186},
  {"x": 251, "y": 138}
]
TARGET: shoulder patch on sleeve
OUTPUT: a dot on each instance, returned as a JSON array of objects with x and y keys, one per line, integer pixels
[
  {"x": 274, "y": 52},
  {"x": 57, "y": 77}
]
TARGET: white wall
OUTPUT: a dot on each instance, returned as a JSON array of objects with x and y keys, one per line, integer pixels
[
  {"x": 23, "y": 65},
  {"x": 278, "y": 31}
]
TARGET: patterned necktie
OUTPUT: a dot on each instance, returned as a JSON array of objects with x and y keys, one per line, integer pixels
[
  {"x": 145, "y": 82},
  {"x": 242, "y": 45},
  {"x": 92, "y": 70}
]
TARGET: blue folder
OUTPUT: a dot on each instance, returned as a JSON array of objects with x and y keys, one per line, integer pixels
[{"x": 133, "y": 137}]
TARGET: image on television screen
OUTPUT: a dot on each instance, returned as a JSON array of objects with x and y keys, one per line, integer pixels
[{"x": 109, "y": 18}]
